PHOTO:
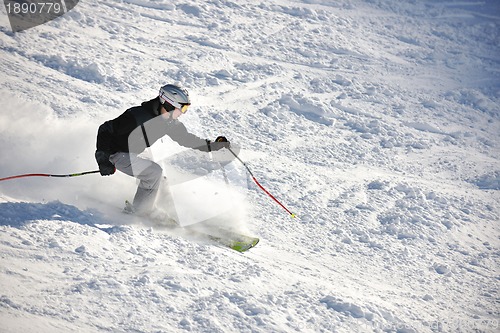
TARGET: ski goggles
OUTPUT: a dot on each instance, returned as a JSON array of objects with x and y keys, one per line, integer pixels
[{"x": 184, "y": 107}]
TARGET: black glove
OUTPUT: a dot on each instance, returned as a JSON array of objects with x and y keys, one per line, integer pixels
[
  {"x": 106, "y": 168},
  {"x": 220, "y": 142}
]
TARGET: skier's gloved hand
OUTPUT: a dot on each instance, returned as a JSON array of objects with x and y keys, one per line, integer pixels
[
  {"x": 220, "y": 142},
  {"x": 106, "y": 168}
]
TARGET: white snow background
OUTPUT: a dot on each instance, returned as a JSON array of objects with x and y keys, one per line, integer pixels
[{"x": 377, "y": 122}]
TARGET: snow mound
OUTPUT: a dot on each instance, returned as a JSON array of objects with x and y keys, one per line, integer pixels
[
  {"x": 17, "y": 214},
  {"x": 490, "y": 181}
]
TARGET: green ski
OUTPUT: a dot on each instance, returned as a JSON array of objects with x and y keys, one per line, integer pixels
[
  {"x": 240, "y": 243},
  {"x": 228, "y": 238}
]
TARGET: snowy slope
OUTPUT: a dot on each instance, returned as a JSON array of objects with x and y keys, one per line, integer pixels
[{"x": 376, "y": 122}]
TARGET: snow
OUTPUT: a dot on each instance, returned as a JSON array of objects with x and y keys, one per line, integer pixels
[{"x": 376, "y": 122}]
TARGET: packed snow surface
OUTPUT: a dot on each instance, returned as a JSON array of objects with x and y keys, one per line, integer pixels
[{"x": 377, "y": 122}]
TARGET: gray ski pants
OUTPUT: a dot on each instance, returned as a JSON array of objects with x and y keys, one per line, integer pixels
[{"x": 149, "y": 174}]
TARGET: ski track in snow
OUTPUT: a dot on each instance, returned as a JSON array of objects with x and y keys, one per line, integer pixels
[{"x": 376, "y": 122}]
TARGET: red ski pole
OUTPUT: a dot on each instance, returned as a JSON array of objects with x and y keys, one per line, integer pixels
[
  {"x": 49, "y": 175},
  {"x": 262, "y": 187}
]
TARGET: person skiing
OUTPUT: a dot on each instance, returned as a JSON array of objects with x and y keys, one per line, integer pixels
[{"x": 121, "y": 140}]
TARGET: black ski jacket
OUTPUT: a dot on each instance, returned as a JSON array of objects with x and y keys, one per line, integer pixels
[{"x": 140, "y": 126}]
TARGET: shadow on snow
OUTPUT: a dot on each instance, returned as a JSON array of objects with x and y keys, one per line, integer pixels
[{"x": 18, "y": 214}]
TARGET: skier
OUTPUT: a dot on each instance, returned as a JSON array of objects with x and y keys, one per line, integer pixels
[{"x": 121, "y": 140}]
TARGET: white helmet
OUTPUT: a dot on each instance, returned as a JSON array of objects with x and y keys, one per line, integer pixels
[{"x": 172, "y": 96}]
